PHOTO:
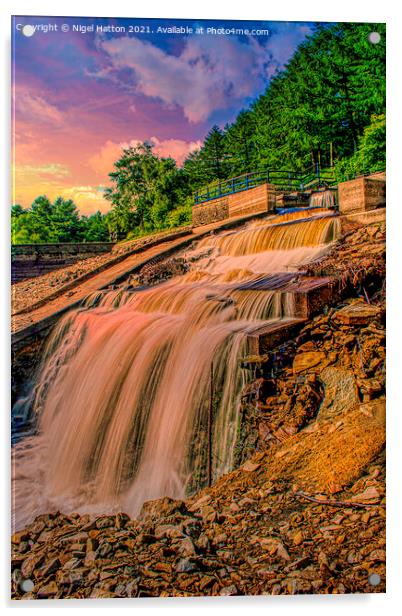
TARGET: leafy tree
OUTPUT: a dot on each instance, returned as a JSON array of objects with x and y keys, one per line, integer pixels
[
  {"x": 45, "y": 222},
  {"x": 211, "y": 162},
  {"x": 95, "y": 228},
  {"x": 240, "y": 145},
  {"x": 20, "y": 228},
  {"x": 132, "y": 180},
  {"x": 370, "y": 154},
  {"x": 65, "y": 223},
  {"x": 145, "y": 189}
]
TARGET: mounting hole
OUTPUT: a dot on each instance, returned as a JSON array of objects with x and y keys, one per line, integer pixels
[
  {"x": 374, "y": 579},
  {"x": 27, "y": 585},
  {"x": 28, "y": 30},
  {"x": 374, "y": 37}
]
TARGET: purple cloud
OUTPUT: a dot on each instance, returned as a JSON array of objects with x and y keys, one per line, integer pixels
[{"x": 209, "y": 73}]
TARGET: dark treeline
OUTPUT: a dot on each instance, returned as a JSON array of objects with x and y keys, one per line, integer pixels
[{"x": 327, "y": 107}]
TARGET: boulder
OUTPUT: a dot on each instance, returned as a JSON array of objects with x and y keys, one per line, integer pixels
[
  {"x": 307, "y": 360},
  {"x": 357, "y": 314}
]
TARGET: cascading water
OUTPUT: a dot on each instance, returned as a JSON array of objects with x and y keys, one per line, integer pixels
[
  {"x": 124, "y": 390},
  {"x": 322, "y": 199}
]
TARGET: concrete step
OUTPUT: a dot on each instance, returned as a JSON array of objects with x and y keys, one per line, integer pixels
[
  {"x": 262, "y": 338},
  {"x": 310, "y": 293}
]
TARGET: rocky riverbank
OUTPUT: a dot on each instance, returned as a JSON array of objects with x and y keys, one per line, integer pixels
[{"x": 305, "y": 510}]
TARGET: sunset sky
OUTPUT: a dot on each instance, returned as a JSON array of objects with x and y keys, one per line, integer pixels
[{"x": 78, "y": 98}]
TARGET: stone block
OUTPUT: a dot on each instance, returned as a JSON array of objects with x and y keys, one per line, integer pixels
[
  {"x": 210, "y": 211},
  {"x": 252, "y": 201},
  {"x": 360, "y": 195}
]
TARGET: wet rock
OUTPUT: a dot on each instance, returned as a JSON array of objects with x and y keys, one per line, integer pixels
[
  {"x": 186, "y": 547},
  {"x": 163, "y": 507},
  {"x": 203, "y": 542},
  {"x": 275, "y": 547},
  {"x": 121, "y": 520},
  {"x": 48, "y": 591},
  {"x": 250, "y": 466},
  {"x": 32, "y": 562},
  {"x": 306, "y": 361},
  {"x": 19, "y": 537},
  {"x": 298, "y": 538},
  {"x": 50, "y": 567},
  {"x": 376, "y": 555},
  {"x": 357, "y": 314},
  {"x": 371, "y": 494},
  {"x": 205, "y": 582},
  {"x": 228, "y": 591},
  {"x": 105, "y": 522},
  {"x": 103, "y": 550},
  {"x": 340, "y": 392},
  {"x": 192, "y": 527},
  {"x": 186, "y": 565},
  {"x": 131, "y": 589},
  {"x": 220, "y": 540}
]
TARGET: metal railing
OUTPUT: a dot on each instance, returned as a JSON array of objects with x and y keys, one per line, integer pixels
[{"x": 282, "y": 180}]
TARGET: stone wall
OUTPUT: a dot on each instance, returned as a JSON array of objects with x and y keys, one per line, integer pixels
[
  {"x": 211, "y": 211},
  {"x": 30, "y": 260},
  {"x": 253, "y": 201},
  {"x": 360, "y": 195}
]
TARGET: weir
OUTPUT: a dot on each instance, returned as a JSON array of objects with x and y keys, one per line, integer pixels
[{"x": 123, "y": 397}]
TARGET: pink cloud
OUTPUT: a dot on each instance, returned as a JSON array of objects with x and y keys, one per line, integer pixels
[
  {"x": 176, "y": 148},
  {"x": 102, "y": 161}
]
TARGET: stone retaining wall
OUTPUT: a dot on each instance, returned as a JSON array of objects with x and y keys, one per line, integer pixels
[
  {"x": 31, "y": 260},
  {"x": 255, "y": 200},
  {"x": 360, "y": 195},
  {"x": 211, "y": 211}
]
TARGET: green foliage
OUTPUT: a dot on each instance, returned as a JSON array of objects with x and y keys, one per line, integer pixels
[
  {"x": 146, "y": 189},
  {"x": 211, "y": 162},
  {"x": 370, "y": 154},
  {"x": 96, "y": 228},
  {"x": 46, "y": 223},
  {"x": 181, "y": 215},
  {"x": 240, "y": 143},
  {"x": 317, "y": 108}
]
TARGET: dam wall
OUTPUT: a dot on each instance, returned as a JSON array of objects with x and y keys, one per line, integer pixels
[
  {"x": 31, "y": 260},
  {"x": 252, "y": 201}
]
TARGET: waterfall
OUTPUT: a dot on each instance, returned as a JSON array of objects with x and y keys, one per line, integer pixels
[
  {"x": 322, "y": 199},
  {"x": 124, "y": 390}
]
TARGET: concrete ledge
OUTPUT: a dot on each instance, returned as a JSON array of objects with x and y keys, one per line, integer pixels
[
  {"x": 252, "y": 201},
  {"x": 310, "y": 293},
  {"x": 31, "y": 260},
  {"x": 365, "y": 217},
  {"x": 263, "y": 338},
  {"x": 361, "y": 195}
]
